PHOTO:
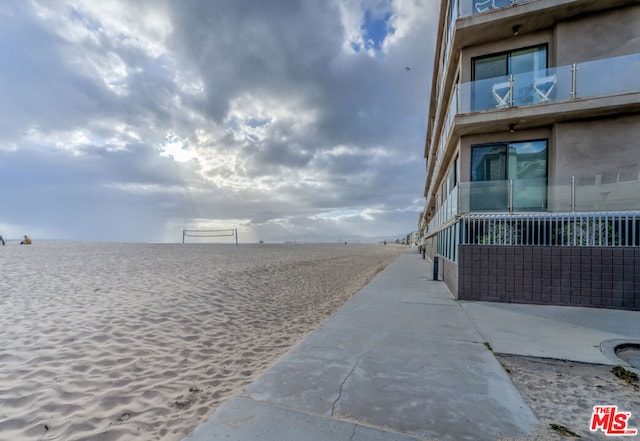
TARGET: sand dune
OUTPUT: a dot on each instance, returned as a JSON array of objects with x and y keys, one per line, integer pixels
[{"x": 143, "y": 341}]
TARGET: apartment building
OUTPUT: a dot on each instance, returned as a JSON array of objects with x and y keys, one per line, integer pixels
[{"x": 533, "y": 152}]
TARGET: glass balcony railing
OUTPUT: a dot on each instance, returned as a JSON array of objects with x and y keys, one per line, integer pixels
[
  {"x": 594, "y": 193},
  {"x": 447, "y": 211},
  {"x": 610, "y": 76},
  {"x": 578, "y": 81},
  {"x": 472, "y": 7}
]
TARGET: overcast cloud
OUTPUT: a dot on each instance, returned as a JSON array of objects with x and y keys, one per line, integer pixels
[{"x": 129, "y": 120}]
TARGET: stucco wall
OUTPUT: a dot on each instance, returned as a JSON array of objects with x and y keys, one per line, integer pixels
[
  {"x": 605, "y": 146},
  {"x": 608, "y": 34}
]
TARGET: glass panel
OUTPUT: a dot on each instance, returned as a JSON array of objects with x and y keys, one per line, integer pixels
[
  {"x": 471, "y": 7},
  {"x": 492, "y": 93},
  {"x": 559, "y": 195},
  {"x": 542, "y": 86},
  {"x": 528, "y": 60},
  {"x": 613, "y": 75},
  {"x": 594, "y": 193},
  {"x": 488, "y": 5},
  {"x": 451, "y": 182},
  {"x": 528, "y": 170},
  {"x": 527, "y": 65},
  {"x": 464, "y": 197},
  {"x": 466, "y": 8},
  {"x": 489, "y": 162},
  {"x": 488, "y": 196},
  {"x": 530, "y": 194},
  {"x": 527, "y": 160},
  {"x": 523, "y": 91},
  {"x": 490, "y": 67},
  {"x": 602, "y": 77},
  {"x": 607, "y": 192}
]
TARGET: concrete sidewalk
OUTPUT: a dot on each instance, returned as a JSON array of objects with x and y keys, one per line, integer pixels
[
  {"x": 403, "y": 361},
  {"x": 400, "y": 361},
  {"x": 587, "y": 335}
]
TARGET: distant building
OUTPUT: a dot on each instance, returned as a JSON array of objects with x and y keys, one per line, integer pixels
[{"x": 533, "y": 151}]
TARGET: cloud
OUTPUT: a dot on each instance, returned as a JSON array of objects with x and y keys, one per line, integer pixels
[{"x": 123, "y": 120}]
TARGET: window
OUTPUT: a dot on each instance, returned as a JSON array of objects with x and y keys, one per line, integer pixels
[
  {"x": 492, "y": 74},
  {"x": 452, "y": 175},
  {"x": 513, "y": 62},
  {"x": 523, "y": 162}
]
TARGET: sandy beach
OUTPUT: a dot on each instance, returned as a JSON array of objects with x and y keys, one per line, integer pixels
[
  {"x": 107, "y": 341},
  {"x": 562, "y": 393}
]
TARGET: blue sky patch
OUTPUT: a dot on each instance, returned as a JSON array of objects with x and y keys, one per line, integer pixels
[{"x": 375, "y": 29}]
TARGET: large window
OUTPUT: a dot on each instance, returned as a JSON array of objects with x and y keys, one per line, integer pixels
[
  {"x": 492, "y": 75},
  {"x": 512, "y": 62},
  {"x": 494, "y": 165}
]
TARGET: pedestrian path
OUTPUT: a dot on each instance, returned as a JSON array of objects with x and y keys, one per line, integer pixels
[
  {"x": 587, "y": 335},
  {"x": 399, "y": 361}
]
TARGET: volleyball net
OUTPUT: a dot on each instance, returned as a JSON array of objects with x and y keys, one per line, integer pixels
[{"x": 232, "y": 232}]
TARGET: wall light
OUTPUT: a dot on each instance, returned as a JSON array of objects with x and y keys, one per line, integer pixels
[
  {"x": 516, "y": 29},
  {"x": 512, "y": 128}
]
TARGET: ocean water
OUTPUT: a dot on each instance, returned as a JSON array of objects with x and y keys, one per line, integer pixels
[{"x": 122, "y": 341}]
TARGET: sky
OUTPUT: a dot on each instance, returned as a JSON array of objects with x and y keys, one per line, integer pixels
[{"x": 130, "y": 120}]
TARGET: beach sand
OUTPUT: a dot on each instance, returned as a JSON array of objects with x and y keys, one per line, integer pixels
[
  {"x": 563, "y": 393},
  {"x": 107, "y": 341},
  {"x": 144, "y": 341}
]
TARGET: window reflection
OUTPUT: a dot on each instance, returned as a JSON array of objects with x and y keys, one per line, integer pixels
[{"x": 493, "y": 165}]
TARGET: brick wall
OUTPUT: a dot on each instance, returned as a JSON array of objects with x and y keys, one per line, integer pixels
[{"x": 579, "y": 276}]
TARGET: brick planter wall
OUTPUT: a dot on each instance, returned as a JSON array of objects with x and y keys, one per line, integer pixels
[{"x": 579, "y": 276}]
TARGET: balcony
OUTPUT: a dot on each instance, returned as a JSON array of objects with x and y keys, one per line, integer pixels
[
  {"x": 474, "y": 22},
  {"x": 594, "y": 88},
  {"x": 616, "y": 192},
  {"x": 472, "y": 7},
  {"x": 597, "y": 210},
  {"x": 610, "y": 76},
  {"x": 447, "y": 211}
]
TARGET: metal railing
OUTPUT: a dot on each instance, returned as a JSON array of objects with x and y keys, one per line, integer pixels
[{"x": 602, "y": 229}]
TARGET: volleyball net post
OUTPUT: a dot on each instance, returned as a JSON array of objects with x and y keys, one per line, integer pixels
[{"x": 232, "y": 232}]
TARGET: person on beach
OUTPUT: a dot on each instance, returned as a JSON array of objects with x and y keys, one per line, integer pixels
[
  {"x": 26, "y": 240},
  {"x": 2, "y": 240}
]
